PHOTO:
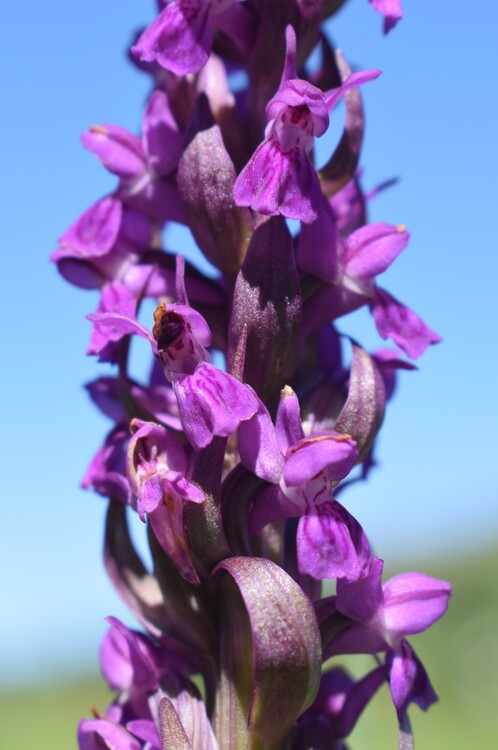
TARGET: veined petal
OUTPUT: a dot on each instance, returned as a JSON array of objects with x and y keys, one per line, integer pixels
[
  {"x": 275, "y": 181},
  {"x": 258, "y": 446},
  {"x": 371, "y": 249},
  {"x": 361, "y": 600},
  {"x": 396, "y": 321},
  {"x": 211, "y": 402},
  {"x": 180, "y": 38},
  {"x": 117, "y": 149},
  {"x": 288, "y": 425},
  {"x": 96, "y": 734},
  {"x": 94, "y": 233},
  {"x": 162, "y": 139},
  {"x": 408, "y": 680},
  {"x": 413, "y": 602},
  {"x": 328, "y": 452},
  {"x": 331, "y": 543}
]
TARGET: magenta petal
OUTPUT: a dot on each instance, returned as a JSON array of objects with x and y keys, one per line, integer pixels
[
  {"x": 298, "y": 93},
  {"x": 119, "y": 325},
  {"x": 119, "y": 150},
  {"x": 408, "y": 680},
  {"x": 356, "y": 639},
  {"x": 96, "y": 734},
  {"x": 351, "y": 82},
  {"x": 106, "y": 473},
  {"x": 371, "y": 249},
  {"x": 327, "y": 452},
  {"x": 396, "y": 321},
  {"x": 145, "y": 730},
  {"x": 279, "y": 182},
  {"x": 211, "y": 402},
  {"x": 179, "y": 39},
  {"x": 331, "y": 543},
  {"x": 361, "y": 600},
  {"x": 258, "y": 446},
  {"x": 288, "y": 425},
  {"x": 126, "y": 659},
  {"x": 116, "y": 299},
  {"x": 94, "y": 233},
  {"x": 413, "y": 602},
  {"x": 161, "y": 137},
  {"x": 168, "y": 525},
  {"x": 320, "y": 247}
]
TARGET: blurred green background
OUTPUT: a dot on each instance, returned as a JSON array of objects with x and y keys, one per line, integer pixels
[{"x": 459, "y": 652}]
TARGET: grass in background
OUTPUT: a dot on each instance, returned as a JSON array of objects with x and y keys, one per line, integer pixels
[{"x": 460, "y": 653}]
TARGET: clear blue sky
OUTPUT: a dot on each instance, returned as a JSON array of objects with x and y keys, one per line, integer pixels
[{"x": 431, "y": 119}]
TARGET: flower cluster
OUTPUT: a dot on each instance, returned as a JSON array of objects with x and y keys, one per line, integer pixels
[{"x": 236, "y": 463}]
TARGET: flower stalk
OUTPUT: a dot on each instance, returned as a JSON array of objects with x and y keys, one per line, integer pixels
[{"x": 237, "y": 451}]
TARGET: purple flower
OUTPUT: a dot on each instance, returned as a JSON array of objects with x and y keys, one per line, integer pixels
[
  {"x": 103, "y": 245},
  {"x": 144, "y": 166},
  {"x": 381, "y": 618},
  {"x": 107, "y": 471},
  {"x": 156, "y": 467},
  {"x": 350, "y": 267},
  {"x": 330, "y": 542},
  {"x": 180, "y": 38},
  {"x": 279, "y": 177}
]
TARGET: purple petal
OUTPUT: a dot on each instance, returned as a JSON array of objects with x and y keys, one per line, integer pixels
[
  {"x": 396, "y": 321},
  {"x": 113, "y": 326},
  {"x": 146, "y": 731},
  {"x": 179, "y": 39},
  {"x": 362, "y": 599},
  {"x": 162, "y": 139},
  {"x": 211, "y": 402},
  {"x": 331, "y": 543},
  {"x": 371, "y": 249},
  {"x": 320, "y": 247},
  {"x": 117, "y": 149},
  {"x": 352, "y": 81},
  {"x": 96, "y": 734},
  {"x": 167, "y": 521},
  {"x": 408, "y": 680},
  {"x": 328, "y": 452},
  {"x": 106, "y": 473},
  {"x": 413, "y": 602},
  {"x": 300, "y": 93},
  {"x": 258, "y": 446},
  {"x": 94, "y": 233},
  {"x": 288, "y": 425},
  {"x": 126, "y": 659},
  {"x": 105, "y": 394},
  {"x": 275, "y": 181},
  {"x": 356, "y": 639},
  {"x": 117, "y": 300}
]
